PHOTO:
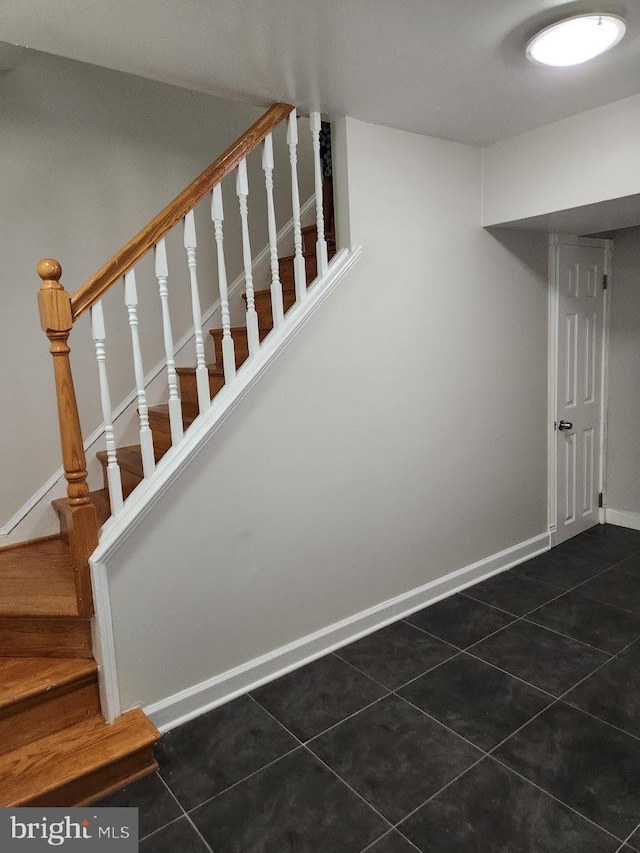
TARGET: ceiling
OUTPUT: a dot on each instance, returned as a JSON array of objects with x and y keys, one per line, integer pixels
[{"x": 449, "y": 68}]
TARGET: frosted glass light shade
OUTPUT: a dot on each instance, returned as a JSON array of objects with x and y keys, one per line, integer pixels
[{"x": 575, "y": 40}]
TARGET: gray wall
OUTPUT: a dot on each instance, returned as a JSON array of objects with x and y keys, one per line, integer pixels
[
  {"x": 88, "y": 156},
  {"x": 400, "y": 437},
  {"x": 623, "y": 439}
]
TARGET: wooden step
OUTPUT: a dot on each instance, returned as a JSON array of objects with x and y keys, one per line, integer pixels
[
  {"x": 79, "y": 764},
  {"x": 130, "y": 463},
  {"x": 100, "y": 500},
  {"x": 37, "y": 580},
  {"x": 161, "y": 428},
  {"x": 188, "y": 387},
  {"x": 240, "y": 343},
  {"x": 41, "y": 696},
  {"x": 263, "y": 307},
  {"x": 45, "y": 636},
  {"x": 286, "y": 270}
]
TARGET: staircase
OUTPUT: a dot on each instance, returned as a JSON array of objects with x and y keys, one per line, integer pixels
[
  {"x": 130, "y": 458},
  {"x": 56, "y": 749}
]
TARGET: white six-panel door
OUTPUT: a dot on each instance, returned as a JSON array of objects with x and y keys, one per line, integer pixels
[{"x": 580, "y": 329}]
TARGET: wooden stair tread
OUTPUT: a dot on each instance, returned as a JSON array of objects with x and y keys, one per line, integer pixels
[
  {"x": 51, "y": 762},
  {"x": 37, "y": 580},
  {"x": 22, "y": 678},
  {"x": 214, "y": 369},
  {"x": 189, "y": 413},
  {"x": 129, "y": 458},
  {"x": 100, "y": 500}
]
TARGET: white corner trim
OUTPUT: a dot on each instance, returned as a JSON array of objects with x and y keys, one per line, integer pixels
[
  {"x": 132, "y": 397},
  {"x": 116, "y": 530},
  {"x": 103, "y": 644},
  {"x": 623, "y": 518},
  {"x": 196, "y": 700}
]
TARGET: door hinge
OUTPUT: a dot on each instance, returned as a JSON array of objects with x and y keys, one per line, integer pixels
[
  {"x": 600, "y": 500},
  {"x": 605, "y": 281}
]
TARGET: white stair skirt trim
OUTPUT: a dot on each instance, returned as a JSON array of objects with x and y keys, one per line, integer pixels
[
  {"x": 44, "y": 520},
  {"x": 117, "y": 529},
  {"x": 623, "y": 518},
  {"x": 190, "y": 703}
]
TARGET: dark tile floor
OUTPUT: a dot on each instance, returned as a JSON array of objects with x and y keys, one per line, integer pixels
[{"x": 505, "y": 719}]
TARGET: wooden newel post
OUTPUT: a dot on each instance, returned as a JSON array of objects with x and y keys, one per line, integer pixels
[{"x": 81, "y": 524}]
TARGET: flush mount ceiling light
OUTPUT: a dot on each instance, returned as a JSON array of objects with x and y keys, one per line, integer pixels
[{"x": 575, "y": 39}]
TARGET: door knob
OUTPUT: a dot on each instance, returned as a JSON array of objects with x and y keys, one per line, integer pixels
[{"x": 565, "y": 425}]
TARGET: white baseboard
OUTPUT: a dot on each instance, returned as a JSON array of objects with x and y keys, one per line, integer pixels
[
  {"x": 623, "y": 518},
  {"x": 196, "y": 700}
]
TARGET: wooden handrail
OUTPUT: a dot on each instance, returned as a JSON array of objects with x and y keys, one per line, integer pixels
[{"x": 93, "y": 289}]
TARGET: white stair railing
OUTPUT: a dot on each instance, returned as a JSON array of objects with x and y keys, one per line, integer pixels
[
  {"x": 114, "y": 479},
  {"x": 299, "y": 272},
  {"x": 277, "y": 305},
  {"x": 188, "y": 390},
  {"x": 321, "y": 243},
  {"x": 228, "y": 351},
  {"x": 202, "y": 374},
  {"x": 242, "y": 190},
  {"x": 175, "y": 407},
  {"x": 146, "y": 436}
]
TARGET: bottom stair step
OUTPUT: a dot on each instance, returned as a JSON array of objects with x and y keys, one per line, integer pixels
[
  {"x": 40, "y": 696},
  {"x": 79, "y": 764},
  {"x": 45, "y": 636}
]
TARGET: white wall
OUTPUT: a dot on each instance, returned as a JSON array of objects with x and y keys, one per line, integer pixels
[
  {"x": 623, "y": 439},
  {"x": 400, "y": 437},
  {"x": 583, "y": 160},
  {"x": 88, "y": 156}
]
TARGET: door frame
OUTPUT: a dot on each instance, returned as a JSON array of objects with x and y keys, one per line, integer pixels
[{"x": 556, "y": 240}]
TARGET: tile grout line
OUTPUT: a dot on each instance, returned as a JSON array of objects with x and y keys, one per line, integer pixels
[
  {"x": 353, "y": 790},
  {"x": 244, "y": 779},
  {"x": 160, "y": 828},
  {"x": 553, "y": 797},
  {"x": 628, "y": 838},
  {"x": 489, "y": 753},
  {"x": 456, "y": 654},
  {"x": 204, "y": 841},
  {"x": 387, "y": 835},
  {"x": 350, "y": 717},
  {"x": 262, "y": 708}
]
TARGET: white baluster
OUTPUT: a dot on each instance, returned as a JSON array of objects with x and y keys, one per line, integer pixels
[
  {"x": 321, "y": 244},
  {"x": 202, "y": 374},
  {"x": 299, "y": 272},
  {"x": 114, "y": 480},
  {"x": 175, "y": 407},
  {"x": 228, "y": 351},
  {"x": 242, "y": 189},
  {"x": 276, "y": 287},
  {"x": 146, "y": 437}
]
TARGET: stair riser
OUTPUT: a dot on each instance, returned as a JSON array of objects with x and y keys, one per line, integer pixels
[
  {"x": 93, "y": 786},
  {"x": 241, "y": 353},
  {"x": 48, "y": 713},
  {"x": 34, "y": 636},
  {"x": 189, "y": 389},
  {"x": 264, "y": 311},
  {"x": 287, "y": 276},
  {"x": 129, "y": 480},
  {"x": 161, "y": 427}
]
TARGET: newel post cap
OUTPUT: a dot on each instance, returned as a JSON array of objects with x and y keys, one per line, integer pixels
[
  {"x": 53, "y": 300},
  {"x": 49, "y": 270}
]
